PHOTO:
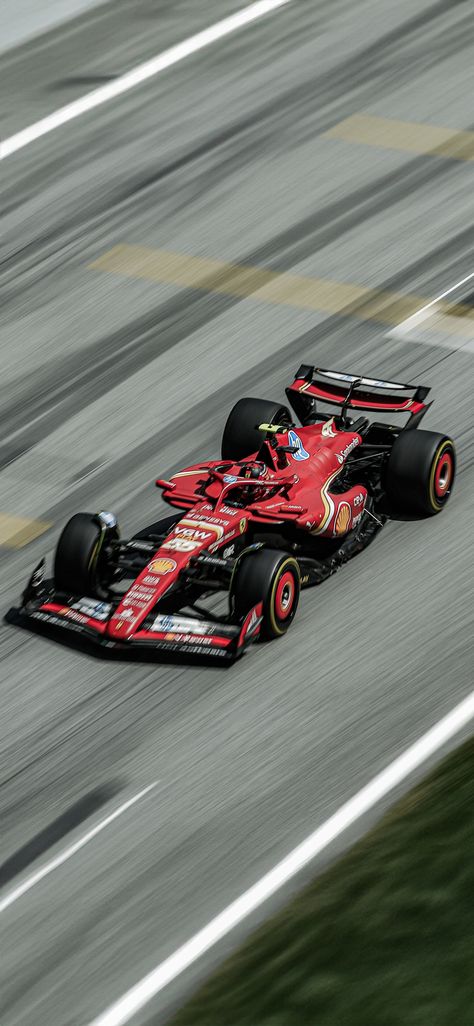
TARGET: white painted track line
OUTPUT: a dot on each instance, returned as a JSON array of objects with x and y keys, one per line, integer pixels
[
  {"x": 410, "y": 325},
  {"x": 59, "y": 860},
  {"x": 138, "y": 996},
  {"x": 141, "y": 73}
]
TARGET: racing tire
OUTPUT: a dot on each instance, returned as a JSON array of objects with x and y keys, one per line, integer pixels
[
  {"x": 272, "y": 578},
  {"x": 420, "y": 472},
  {"x": 81, "y": 566},
  {"x": 241, "y": 437}
]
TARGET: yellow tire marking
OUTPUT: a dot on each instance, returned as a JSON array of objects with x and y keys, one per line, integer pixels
[
  {"x": 447, "y": 444},
  {"x": 407, "y": 136},
  {"x": 281, "y": 570},
  {"x": 16, "y": 532}
]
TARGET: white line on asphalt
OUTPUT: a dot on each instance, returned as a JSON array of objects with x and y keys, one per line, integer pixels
[
  {"x": 73, "y": 848},
  {"x": 139, "y": 74},
  {"x": 413, "y": 322},
  {"x": 134, "y": 999}
]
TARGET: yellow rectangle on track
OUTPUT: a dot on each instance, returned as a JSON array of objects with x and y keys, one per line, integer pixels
[
  {"x": 16, "y": 532},
  {"x": 285, "y": 289},
  {"x": 407, "y": 136}
]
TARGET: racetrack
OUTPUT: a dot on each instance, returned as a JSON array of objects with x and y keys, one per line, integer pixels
[{"x": 110, "y": 379}]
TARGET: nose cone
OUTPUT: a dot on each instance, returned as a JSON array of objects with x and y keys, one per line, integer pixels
[{"x": 140, "y": 599}]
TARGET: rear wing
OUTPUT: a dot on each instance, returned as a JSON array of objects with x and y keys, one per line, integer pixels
[{"x": 354, "y": 392}]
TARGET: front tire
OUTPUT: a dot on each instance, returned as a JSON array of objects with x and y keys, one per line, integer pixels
[
  {"x": 272, "y": 578},
  {"x": 241, "y": 437},
  {"x": 420, "y": 472},
  {"x": 81, "y": 565}
]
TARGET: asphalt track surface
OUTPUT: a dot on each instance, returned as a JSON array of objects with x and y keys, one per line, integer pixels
[{"x": 107, "y": 382}]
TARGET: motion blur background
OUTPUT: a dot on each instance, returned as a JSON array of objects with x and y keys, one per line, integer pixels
[{"x": 329, "y": 140}]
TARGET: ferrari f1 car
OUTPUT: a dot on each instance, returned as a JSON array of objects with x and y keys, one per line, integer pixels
[{"x": 285, "y": 505}]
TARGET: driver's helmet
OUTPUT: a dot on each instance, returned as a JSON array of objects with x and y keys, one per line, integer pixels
[{"x": 253, "y": 471}]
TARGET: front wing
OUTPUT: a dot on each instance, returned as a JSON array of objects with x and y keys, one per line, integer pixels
[{"x": 170, "y": 633}]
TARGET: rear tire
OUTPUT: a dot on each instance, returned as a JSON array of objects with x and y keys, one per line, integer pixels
[
  {"x": 81, "y": 566},
  {"x": 420, "y": 472},
  {"x": 272, "y": 578},
  {"x": 241, "y": 437}
]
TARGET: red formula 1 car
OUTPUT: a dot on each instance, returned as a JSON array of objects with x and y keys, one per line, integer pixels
[{"x": 282, "y": 509}]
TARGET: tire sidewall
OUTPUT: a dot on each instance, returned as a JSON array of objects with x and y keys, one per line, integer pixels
[
  {"x": 256, "y": 579},
  {"x": 280, "y": 626},
  {"x": 77, "y": 561},
  {"x": 411, "y": 472}
]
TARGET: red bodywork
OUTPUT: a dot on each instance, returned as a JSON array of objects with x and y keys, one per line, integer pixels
[
  {"x": 298, "y": 484},
  {"x": 298, "y": 491}
]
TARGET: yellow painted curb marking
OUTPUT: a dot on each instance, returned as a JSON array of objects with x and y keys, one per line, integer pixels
[
  {"x": 16, "y": 532},
  {"x": 283, "y": 289},
  {"x": 408, "y": 136}
]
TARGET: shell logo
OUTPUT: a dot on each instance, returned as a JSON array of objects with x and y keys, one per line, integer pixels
[
  {"x": 343, "y": 518},
  {"x": 162, "y": 565}
]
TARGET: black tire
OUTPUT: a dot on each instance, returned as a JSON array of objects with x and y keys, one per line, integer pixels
[
  {"x": 420, "y": 472},
  {"x": 80, "y": 563},
  {"x": 270, "y": 577},
  {"x": 241, "y": 436}
]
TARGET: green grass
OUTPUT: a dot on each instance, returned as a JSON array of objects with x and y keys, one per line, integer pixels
[{"x": 384, "y": 938}]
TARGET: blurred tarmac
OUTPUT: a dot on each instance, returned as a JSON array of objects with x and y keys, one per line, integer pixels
[
  {"x": 24, "y": 19},
  {"x": 109, "y": 380}
]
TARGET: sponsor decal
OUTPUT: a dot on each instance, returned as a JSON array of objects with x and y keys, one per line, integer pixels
[
  {"x": 73, "y": 615},
  {"x": 152, "y": 579},
  {"x": 100, "y": 610},
  {"x": 295, "y": 440},
  {"x": 186, "y": 639},
  {"x": 192, "y": 532},
  {"x": 343, "y": 518},
  {"x": 181, "y": 624},
  {"x": 97, "y": 610},
  {"x": 137, "y": 592},
  {"x": 181, "y": 544},
  {"x": 327, "y": 429},
  {"x": 136, "y": 603},
  {"x": 358, "y": 499},
  {"x": 252, "y": 623},
  {"x": 162, "y": 565},
  {"x": 230, "y": 478},
  {"x": 195, "y": 518},
  {"x": 201, "y": 528},
  {"x": 227, "y": 510},
  {"x": 228, "y": 552},
  {"x": 243, "y": 525},
  {"x": 125, "y": 614},
  {"x": 341, "y": 456},
  {"x": 356, "y": 519}
]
